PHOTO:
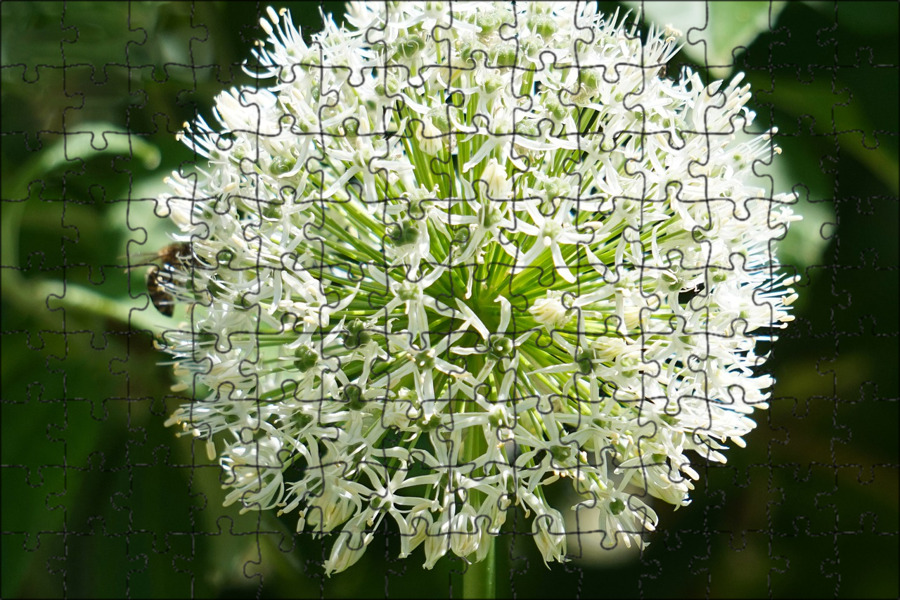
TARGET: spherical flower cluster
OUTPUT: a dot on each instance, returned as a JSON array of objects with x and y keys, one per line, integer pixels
[{"x": 456, "y": 252}]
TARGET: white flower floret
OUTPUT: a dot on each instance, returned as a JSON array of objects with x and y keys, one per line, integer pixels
[{"x": 550, "y": 311}]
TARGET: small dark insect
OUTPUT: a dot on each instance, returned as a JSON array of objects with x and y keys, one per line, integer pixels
[
  {"x": 156, "y": 287},
  {"x": 173, "y": 259},
  {"x": 176, "y": 256}
]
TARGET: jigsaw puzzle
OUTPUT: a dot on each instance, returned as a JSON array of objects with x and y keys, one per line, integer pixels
[{"x": 463, "y": 298}]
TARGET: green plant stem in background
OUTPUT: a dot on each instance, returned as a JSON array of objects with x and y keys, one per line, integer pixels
[
  {"x": 480, "y": 578},
  {"x": 34, "y": 296}
]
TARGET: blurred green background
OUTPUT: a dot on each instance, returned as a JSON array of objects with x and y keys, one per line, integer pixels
[{"x": 100, "y": 499}]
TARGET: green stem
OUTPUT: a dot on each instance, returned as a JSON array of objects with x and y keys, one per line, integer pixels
[
  {"x": 87, "y": 301},
  {"x": 40, "y": 298},
  {"x": 480, "y": 579}
]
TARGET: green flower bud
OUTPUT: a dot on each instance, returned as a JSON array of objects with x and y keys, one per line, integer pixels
[
  {"x": 616, "y": 507},
  {"x": 356, "y": 335},
  {"x": 404, "y": 233},
  {"x": 504, "y": 55},
  {"x": 305, "y": 358}
]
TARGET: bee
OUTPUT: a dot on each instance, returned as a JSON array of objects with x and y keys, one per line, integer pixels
[
  {"x": 176, "y": 257},
  {"x": 174, "y": 260},
  {"x": 157, "y": 281}
]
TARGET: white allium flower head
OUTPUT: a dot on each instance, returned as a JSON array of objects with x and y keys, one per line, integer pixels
[{"x": 456, "y": 252}]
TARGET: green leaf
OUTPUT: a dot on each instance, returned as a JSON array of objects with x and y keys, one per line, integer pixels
[
  {"x": 713, "y": 31},
  {"x": 837, "y": 115},
  {"x": 86, "y": 140}
]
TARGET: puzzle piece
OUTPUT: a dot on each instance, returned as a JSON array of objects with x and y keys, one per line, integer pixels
[{"x": 452, "y": 280}]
